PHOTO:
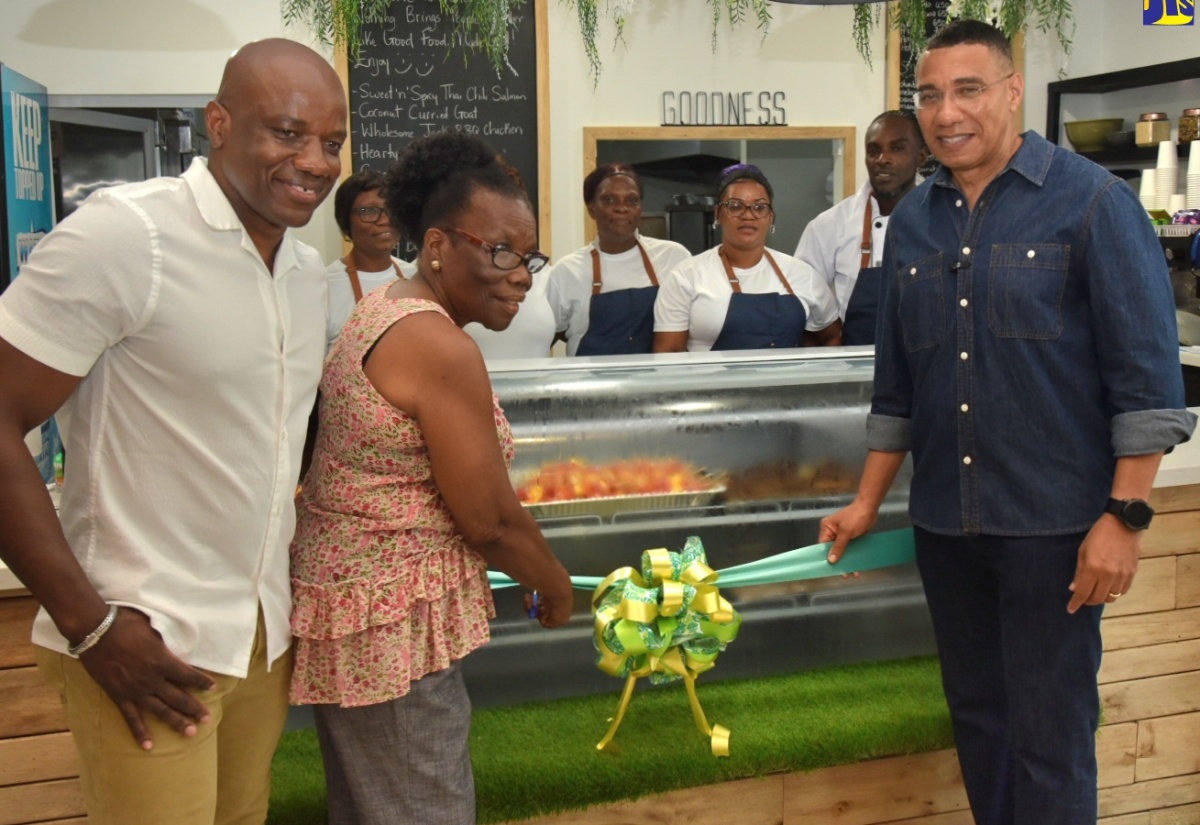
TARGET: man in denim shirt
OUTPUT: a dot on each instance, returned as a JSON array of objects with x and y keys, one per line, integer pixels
[{"x": 1027, "y": 356}]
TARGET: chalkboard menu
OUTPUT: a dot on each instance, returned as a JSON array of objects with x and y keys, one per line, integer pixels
[
  {"x": 935, "y": 18},
  {"x": 415, "y": 75}
]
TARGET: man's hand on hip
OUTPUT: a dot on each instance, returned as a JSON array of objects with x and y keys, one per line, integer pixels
[{"x": 141, "y": 675}]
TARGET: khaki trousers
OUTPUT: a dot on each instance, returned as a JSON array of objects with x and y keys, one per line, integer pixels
[{"x": 220, "y": 776}]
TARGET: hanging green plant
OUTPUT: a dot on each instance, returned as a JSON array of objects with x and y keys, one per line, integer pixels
[
  {"x": 1010, "y": 16},
  {"x": 481, "y": 25},
  {"x": 588, "y": 12}
]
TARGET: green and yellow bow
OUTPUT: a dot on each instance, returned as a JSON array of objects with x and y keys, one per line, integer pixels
[{"x": 668, "y": 622}]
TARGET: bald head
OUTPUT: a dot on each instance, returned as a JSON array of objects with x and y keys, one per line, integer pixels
[
  {"x": 252, "y": 62},
  {"x": 276, "y": 128}
]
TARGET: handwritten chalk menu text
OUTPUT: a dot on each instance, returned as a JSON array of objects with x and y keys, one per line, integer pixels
[
  {"x": 416, "y": 75},
  {"x": 935, "y": 17}
]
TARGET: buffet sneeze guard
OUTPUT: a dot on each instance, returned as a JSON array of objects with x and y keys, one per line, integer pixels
[{"x": 781, "y": 436}]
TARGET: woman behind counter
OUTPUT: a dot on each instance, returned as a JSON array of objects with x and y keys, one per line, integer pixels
[
  {"x": 741, "y": 295},
  {"x": 409, "y": 500},
  {"x": 362, "y": 217},
  {"x": 603, "y": 295}
]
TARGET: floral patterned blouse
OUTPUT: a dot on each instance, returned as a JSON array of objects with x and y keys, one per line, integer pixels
[{"x": 385, "y": 590}]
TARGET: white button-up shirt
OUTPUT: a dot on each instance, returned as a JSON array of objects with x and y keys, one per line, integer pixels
[
  {"x": 832, "y": 243},
  {"x": 183, "y": 440}
]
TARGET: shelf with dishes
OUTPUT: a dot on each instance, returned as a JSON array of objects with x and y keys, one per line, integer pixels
[
  {"x": 1135, "y": 155},
  {"x": 1106, "y": 140}
]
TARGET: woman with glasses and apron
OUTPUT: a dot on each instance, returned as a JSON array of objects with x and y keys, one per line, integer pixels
[
  {"x": 603, "y": 294},
  {"x": 361, "y": 215},
  {"x": 742, "y": 295}
]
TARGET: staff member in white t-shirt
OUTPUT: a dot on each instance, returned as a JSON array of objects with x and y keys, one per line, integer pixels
[
  {"x": 844, "y": 244},
  {"x": 528, "y": 336},
  {"x": 603, "y": 294},
  {"x": 741, "y": 295},
  {"x": 361, "y": 215}
]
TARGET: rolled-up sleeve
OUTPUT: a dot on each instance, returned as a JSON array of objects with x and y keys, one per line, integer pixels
[
  {"x": 888, "y": 434},
  {"x": 1133, "y": 311}
]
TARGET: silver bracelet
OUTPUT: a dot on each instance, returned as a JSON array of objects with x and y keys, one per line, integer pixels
[{"x": 90, "y": 640}]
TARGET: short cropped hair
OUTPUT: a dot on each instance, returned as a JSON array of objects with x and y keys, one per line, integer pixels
[
  {"x": 902, "y": 114},
  {"x": 972, "y": 33}
]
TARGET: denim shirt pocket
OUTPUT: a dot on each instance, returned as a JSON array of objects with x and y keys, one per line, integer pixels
[
  {"x": 1025, "y": 290},
  {"x": 922, "y": 308}
]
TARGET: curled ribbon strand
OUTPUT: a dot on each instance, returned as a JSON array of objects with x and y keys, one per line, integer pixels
[{"x": 669, "y": 622}]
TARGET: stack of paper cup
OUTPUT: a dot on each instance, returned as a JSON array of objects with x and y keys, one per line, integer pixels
[
  {"x": 1193, "y": 177},
  {"x": 1166, "y": 174},
  {"x": 1176, "y": 203},
  {"x": 1146, "y": 189}
]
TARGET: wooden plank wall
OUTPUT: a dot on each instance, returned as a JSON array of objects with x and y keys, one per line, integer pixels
[
  {"x": 39, "y": 771},
  {"x": 1148, "y": 746}
]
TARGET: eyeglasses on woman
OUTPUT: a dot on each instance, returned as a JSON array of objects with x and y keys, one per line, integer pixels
[
  {"x": 369, "y": 214},
  {"x": 503, "y": 257}
]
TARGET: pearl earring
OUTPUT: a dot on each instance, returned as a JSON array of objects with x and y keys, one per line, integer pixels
[
  {"x": 772, "y": 229},
  {"x": 437, "y": 266}
]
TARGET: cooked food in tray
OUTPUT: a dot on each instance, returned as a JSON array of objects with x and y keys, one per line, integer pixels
[
  {"x": 790, "y": 479},
  {"x": 577, "y": 479}
]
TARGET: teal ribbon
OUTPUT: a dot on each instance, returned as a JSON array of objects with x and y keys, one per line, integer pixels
[{"x": 869, "y": 552}]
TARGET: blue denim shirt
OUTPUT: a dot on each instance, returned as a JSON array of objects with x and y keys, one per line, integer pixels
[{"x": 1023, "y": 345}]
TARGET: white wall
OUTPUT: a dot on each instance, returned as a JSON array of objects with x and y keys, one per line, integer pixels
[
  {"x": 144, "y": 47},
  {"x": 1109, "y": 36},
  {"x": 128, "y": 47},
  {"x": 808, "y": 54}
]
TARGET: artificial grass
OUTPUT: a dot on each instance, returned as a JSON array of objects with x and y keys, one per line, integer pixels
[{"x": 541, "y": 758}]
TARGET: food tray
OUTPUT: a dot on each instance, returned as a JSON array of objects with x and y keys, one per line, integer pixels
[{"x": 607, "y": 506}]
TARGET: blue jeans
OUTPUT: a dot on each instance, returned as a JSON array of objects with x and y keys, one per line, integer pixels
[{"x": 1019, "y": 673}]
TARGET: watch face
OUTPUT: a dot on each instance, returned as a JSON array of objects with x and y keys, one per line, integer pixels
[{"x": 1137, "y": 514}]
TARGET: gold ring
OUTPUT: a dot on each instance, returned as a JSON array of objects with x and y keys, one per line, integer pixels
[{"x": 1115, "y": 595}]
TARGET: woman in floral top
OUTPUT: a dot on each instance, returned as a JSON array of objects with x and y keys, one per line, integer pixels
[{"x": 408, "y": 500}]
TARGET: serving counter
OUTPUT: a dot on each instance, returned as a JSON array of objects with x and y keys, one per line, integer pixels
[{"x": 759, "y": 448}]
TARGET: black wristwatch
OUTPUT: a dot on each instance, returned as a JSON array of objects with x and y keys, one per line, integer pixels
[{"x": 1134, "y": 513}]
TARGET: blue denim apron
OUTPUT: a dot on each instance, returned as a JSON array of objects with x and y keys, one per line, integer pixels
[
  {"x": 761, "y": 321},
  {"x": 620, "y": 322},
  {"x": 858, "y": 327}
]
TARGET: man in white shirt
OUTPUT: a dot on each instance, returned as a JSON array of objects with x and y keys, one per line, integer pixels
[
  {"x": 845, "y": 243},
  {"x": 180, "y": 329}
]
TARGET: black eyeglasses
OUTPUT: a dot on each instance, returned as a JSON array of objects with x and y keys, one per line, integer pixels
[
  {"x": 758, "y": 209},
  {"x": 369, "y": 214},
  {"x": 503, "y": 256}
]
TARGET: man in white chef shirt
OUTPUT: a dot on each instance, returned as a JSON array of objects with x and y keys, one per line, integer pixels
[{"x": 844, "y": 244}]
